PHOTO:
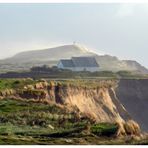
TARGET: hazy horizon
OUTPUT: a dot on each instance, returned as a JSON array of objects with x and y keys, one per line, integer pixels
[{"x": 116, "y": 29}]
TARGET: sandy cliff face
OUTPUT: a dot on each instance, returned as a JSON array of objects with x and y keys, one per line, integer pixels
[
  {"x": 99, "y": 103},
  {"x": 127, "y": 100}
]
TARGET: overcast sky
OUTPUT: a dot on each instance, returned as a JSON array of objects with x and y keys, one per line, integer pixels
[{"x": 116, "y": 29}]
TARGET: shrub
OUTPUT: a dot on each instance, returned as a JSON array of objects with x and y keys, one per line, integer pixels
[
  {"x": 104, "y": 129},
  {"x": 16, "y": 82}
]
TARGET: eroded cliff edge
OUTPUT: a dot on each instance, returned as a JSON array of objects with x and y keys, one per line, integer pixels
[{"x": 101, "y": 100}]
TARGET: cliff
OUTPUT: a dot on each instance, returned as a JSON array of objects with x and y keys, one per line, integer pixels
[{"x": 101, "y": 100}]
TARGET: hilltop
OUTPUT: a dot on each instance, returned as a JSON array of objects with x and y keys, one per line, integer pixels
[{"x": 51, "y": 56}]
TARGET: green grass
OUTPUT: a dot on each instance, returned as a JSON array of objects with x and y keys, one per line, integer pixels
[
  {"x": 31, "y": 122},
  {"x": 87, "y": 83},
  {"x": 23, "y": 122},
  {"x": 104, "y": 129},
  {"x": 14, "y": 83},
  {"x": 14, "y": 106},
  {"x": 22, "y": 113},
  {"x": 18, "y": 84}
]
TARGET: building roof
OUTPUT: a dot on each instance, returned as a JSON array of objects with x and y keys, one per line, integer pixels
[
  {"x": 85, "y": 62},
  {"x": 80, "y": 62},
  {"x": 67, "y": 63}
]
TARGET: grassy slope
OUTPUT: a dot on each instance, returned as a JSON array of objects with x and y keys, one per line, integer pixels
[
  {"x": 35, "y": 123},
  {"x": 14, "y": 83}
]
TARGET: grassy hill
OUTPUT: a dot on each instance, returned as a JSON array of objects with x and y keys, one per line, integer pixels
[{"x": 25, "y": 60}]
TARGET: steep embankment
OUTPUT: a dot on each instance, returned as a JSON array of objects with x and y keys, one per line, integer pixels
[
  {"x": 100, "y": 100},
  {"x": 100, "y": 104},
  {"x": 95, "y": 99},
  {"x": 133, "y": 94}
]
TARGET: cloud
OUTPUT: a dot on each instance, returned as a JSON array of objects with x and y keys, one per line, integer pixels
[
  {"x": 125, "y": 10},
  {"x": 131, "y": 9}
]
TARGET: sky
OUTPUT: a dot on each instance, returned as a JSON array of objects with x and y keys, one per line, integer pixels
[{"x": 117, "y": 29}]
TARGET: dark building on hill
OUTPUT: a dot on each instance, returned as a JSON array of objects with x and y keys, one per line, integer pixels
[{"x": 79, "y": 64}]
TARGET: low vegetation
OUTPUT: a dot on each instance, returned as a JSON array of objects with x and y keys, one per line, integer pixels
[
  {"x": 38, "y": 121},
  {"x": 14, "y": 83},
  {"x": 56, "y": 73},
  {"x": 104, "y": 129},
  {"x": 30, "y": 84},
  {"x": 23, "y": 122}
]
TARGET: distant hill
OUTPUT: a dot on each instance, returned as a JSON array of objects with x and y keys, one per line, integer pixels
[
  {"x": 51, "y": 56},
  {"x": 112, "y": 63}
]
